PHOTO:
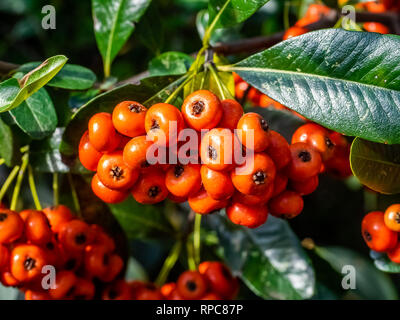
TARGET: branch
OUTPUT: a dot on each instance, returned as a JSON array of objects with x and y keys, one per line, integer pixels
[{"x": 7, "y": 67}]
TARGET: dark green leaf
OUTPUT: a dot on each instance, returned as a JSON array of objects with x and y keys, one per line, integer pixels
[
  {"x": 9, "y": 147},
  {"x": 45, "y": 155},
  {"x": 383, "y": 263},
  {"x": 376, "y": 165},
  {"x": 151, "y": 34},
  {"x": 236, "y": 11},
  {"x": 139, "y": 221},
  {"x": 36, "y": 115},
  {"x": 114, "y": 21},
  {"x": 347, "y": 81},
  {"x": 150, "y": 89},
  {"x": 30, "y": 83},
  {"x": 370, "y": 282},
  {"x": 71, "y": 76},
  {"x": 270, "y": 258},
  {"x": 170, "y": 63}
]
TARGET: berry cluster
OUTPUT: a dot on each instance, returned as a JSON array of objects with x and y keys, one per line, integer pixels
[
  {"x": 316, "y": 12},
  {"x": 270, "y": 170},
  {"x": 257, "y": 98},
  {"x": 212, "y": 281},
  {"x": 333, "y": 147},
  {"x": 380, "y": 231},
  {"x": 80, "y": 253}
]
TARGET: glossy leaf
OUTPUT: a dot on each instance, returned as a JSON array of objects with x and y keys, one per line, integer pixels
[
  {"x": 36, "y": 116},
  {"x": 170, "y": 63},
  {"x": 30, "y": 83},
  {"x": 236, "y": 11},
  {"x": 140, "y": 221},
  {"x": 45, "y": 155},
  {"x": 269, "y": 259},
  {"x": 346, "y": 81},
  {"x": 8, "y": 91},
  {"x": 376, "y": 165},
  {"x": 9, "y": 146},
  {"x": 370, "y": 282},
  {"x": 154, "y": 89},
  {"x": 114, "y": 21},
  {"x": 71, "y": 76},
  {"x": 383, "y": 263}
]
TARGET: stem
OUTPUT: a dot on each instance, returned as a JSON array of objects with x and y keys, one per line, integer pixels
[
  {"x": 56, "y": 196},
  {"x": 24, "y": 149},
  {"x": 218, "y": 81},
  {"x": 8, "y": 182},
  {"x": 203, "y": 80},
  {"x": 177, "y": 90},
  {"x": 191, "y": 259},
  {"x": 18, "y": 184},
  {"x": 196, "y": 239},
  {"x": 210, "y": 29},
  {"x": 286, "y": 10},
  {"x": 74, "y": 195},
  {"x": 33, "y": 188},
  {"x": 196, "y": 67},
  {"x": 107, "y": 69},
  {"x": 169, "y": 263},
  {"x": 2, "y": 161}
]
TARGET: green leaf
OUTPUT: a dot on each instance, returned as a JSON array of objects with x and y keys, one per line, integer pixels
[
  {"x": 270, "y": 259},
  {"x": 36, "y": 116},
  {"x": 140, "y": 221},
  {"x": 45, "y": 155},
  {"x": 219, "y": 35},
  {"x": 211, "y": 84},
  {"x": 347, "y": 81},
  {"x": 153, "y": 89},
  {"x": 383, "y": 263},
  {"x": 8, "y": 91},
  {"x": 236, "y": 11},
  {"x": 170, "y": 63},
  {"x": 376, "y": 165},
  {"x": 9, "y": 146},
  {"x": 30, "y": 83},
  {"x": 370, "y": 282},
  {"x": 114, "y": 21},
  {"x": 71, "y": 76}
]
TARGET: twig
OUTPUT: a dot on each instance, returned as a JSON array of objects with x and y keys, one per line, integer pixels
[
  {"x": 169, "y": 263},
  {"x": 7, "y": 67},
  {"x": 32, "y": 186}
]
